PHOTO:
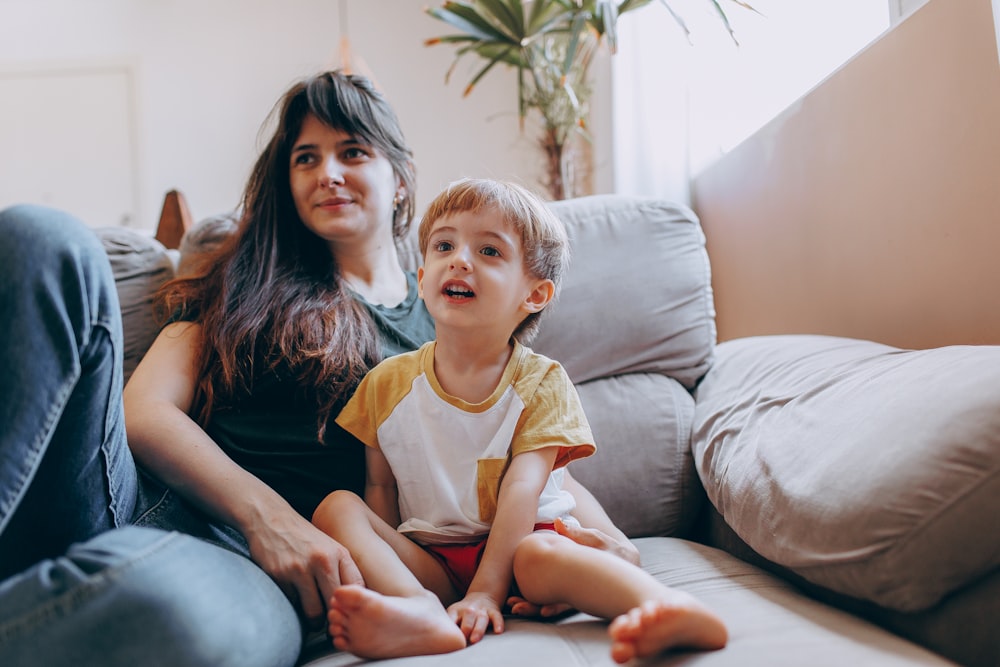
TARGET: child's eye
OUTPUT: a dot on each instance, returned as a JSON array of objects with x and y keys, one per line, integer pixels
[
  {"x": 490, "y": 251},
  {"x": 442, "y": 246}
]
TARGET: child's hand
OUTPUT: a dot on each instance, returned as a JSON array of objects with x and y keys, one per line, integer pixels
[{"x": 474, "y": 614}]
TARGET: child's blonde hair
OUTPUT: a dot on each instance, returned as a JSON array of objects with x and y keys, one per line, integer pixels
[{"x": 544, "y": 242}]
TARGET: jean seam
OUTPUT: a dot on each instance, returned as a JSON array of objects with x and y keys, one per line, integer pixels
[
  {"x": 152, "y": 511},
  {"x": 66, "y": 603},
  {"x": 37, "y": 448},
  {"x": 114, "y": 504}
]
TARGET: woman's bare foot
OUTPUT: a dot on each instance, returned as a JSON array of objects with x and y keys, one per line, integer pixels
[
  {"x": 374, "y": 626},
  {"x": 656, "y": 626}
]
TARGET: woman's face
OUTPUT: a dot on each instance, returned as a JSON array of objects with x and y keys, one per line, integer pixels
[{"x": 343, "y": 188}]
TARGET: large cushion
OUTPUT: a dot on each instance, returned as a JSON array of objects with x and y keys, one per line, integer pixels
[
  {"x": 199, "y": 242},
  {"x": 635, "y": 328},
  {"x": 866, "y": 469},
  {"x": 638, "y": 297},
  {"x": 140, "y": 264}
]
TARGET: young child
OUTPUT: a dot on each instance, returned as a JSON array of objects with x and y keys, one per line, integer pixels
[{"x": 467, "y": 441}]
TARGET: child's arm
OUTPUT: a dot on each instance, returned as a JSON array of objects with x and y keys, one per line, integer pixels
[
  {"x": 517, "y": 507},
  {"x": 381, "y": 494}
]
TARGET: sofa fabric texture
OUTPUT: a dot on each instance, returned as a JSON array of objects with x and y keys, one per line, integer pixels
[
  {"x": 864, "y": 473},
  {"x": 140, "y": 264}
]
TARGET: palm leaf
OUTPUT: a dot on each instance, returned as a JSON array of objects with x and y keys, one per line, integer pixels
[
  {"x": 724, "y": 18},
  {"x": 607, "y": 15},
  {"x": 481, "y": 74},
  {"x": 506, "y": 15},
  {"x": 466, "y": 18}
]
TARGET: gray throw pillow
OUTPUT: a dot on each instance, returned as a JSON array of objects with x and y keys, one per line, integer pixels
[
  {"x": 140, "y": 265},
  {"x": 866, "y": 469}
]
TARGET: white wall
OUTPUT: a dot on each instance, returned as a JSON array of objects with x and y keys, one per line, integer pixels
[{"x": 205, "y": 73}]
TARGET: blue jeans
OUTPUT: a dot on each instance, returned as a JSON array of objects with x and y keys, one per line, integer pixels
[{"x": 80, "y": 585}]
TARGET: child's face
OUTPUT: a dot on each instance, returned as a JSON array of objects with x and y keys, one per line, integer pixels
[{"x": 473, "y": 274}]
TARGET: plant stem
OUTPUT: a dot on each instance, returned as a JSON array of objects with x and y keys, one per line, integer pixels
[{"x": 553, "y": 149}]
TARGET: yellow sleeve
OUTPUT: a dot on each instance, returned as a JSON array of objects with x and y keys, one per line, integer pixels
[
  {"x": 357, "y": 417},
  {"x": 378, "y": 394},
  {"x": 553, "y": 416}
]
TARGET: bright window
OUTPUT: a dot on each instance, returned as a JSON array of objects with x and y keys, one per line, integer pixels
[
  {"x": 694, "y": 102},
  {"x": 783, "y": 52}
]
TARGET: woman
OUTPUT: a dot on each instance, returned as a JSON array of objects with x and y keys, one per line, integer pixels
[
  {"x": 230, "y": 410},
  {"x": 329, "y": 196}
]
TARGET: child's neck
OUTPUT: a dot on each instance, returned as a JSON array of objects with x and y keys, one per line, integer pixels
[{"x": 469, "y": 367}]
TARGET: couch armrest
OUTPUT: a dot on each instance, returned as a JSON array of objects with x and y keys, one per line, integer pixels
[{"x": 175, "y": 220}]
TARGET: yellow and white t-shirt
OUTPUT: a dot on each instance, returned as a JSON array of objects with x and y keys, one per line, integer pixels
[{"x": 448, "y": 456}]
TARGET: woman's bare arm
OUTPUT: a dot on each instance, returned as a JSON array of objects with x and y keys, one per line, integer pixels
[{"x": 165, "y": 440}]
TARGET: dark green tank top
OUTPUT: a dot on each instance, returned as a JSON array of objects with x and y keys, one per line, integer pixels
[{"x": 272, "y": 432}]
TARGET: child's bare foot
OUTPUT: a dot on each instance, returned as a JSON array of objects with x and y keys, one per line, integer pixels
[
  {"x": 656, "y": 626},
  {"x": 374, "y": 626}
]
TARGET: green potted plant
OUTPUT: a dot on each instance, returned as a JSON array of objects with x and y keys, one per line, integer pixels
[{"x": 551, "y": 44}]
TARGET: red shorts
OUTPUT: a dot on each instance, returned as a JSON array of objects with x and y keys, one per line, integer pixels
[{"x": 460, "y": 561}]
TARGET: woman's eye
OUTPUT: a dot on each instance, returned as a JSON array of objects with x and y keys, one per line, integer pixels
[
  {"x": 303, "y": 158},
  {"x": 355, "y": 153}
]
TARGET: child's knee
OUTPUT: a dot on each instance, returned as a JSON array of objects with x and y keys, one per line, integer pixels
[
  {"x": 336, "y": 506},
  {"x": 535, "y": 549}
]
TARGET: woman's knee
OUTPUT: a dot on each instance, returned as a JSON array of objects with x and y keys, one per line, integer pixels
[
  {"x": 33, "y": 232},
  {"x": 52, "y": 253}
]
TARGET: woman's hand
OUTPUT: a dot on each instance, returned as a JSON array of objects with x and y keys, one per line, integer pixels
[
  {"x": 474, "y": 614},
  {"x": 589, "y": 537},
  {"x": 592, "y": 537},
  {"x": 304, "y": 561}
]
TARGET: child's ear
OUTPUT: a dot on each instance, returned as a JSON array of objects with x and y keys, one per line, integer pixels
[
  {"x": 420, "y": 282},
  {"x": 540, "y": 295}
]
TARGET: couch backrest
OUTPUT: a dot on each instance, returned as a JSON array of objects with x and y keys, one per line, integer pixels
[
  {"x": 140, "y": 264},
  {"x": 638, "y": 293}
]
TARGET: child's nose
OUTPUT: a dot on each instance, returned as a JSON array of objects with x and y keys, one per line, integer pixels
[{"x": 460, "y": 260}]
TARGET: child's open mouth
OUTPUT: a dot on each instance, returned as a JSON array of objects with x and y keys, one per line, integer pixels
[{"x": 458, "y": 291}]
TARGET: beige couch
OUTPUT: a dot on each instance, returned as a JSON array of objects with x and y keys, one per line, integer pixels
[{"x": 827, "y": 497}]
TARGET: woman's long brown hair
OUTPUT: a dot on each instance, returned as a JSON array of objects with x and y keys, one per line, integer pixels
[{"x": 272, "y": 291}]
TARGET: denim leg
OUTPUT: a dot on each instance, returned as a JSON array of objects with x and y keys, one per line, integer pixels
[
  {"x": 189, "y": 603},
  {"x": 66, "y": 473},
  {"x": 95, "y": 593}
]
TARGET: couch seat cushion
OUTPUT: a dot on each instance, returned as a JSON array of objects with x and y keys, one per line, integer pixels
[
  {"x": 770, "y": 624},
  {"x": 866, "y": 469}
]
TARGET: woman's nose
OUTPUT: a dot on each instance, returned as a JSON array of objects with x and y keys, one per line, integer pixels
[{"x": 331, "y": 174}]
